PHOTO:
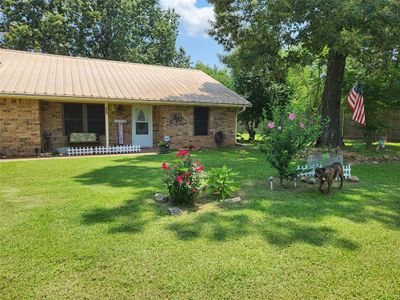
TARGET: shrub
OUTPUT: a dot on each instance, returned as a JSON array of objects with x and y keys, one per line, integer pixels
[
  {"x": 221, "y": 180},
  {"x": 183, "y": 178},
  {"x": 285, "y": 136}
]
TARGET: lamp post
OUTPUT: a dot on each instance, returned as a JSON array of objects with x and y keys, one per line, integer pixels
[{"x": 271, "y": 182}]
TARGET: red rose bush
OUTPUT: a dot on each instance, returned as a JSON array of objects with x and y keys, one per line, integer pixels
[{"x": 183, "y": 178}]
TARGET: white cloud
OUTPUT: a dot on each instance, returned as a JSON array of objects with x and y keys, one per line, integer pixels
[{"x": 195, "y": 19}]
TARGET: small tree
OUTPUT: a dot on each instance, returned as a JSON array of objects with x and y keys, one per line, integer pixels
[{"x": 285, "y": 136}]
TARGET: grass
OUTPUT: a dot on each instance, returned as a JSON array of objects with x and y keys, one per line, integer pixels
[
  {"x": 370, "y": 150},
  {"x": 88, "y": 228}
]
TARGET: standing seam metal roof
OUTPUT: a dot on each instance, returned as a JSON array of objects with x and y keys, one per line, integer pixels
[{"x": 36, "y": 74}]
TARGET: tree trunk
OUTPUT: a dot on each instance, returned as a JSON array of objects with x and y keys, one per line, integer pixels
[{"x": 331, "y": 135}]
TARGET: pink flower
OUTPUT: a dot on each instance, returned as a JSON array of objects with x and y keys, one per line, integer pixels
[
  {"x": 301, "y": 125},
  {"x": 194, "y": 190},
  {"x": 292, "y": 116},
  {"x": 182, "y": 153},
  {"x": 164, "y": 166},
  {"x": 271, "y": 125},
  {"x": 200, "y": 168},
  {"x": 179, "y": 178}
]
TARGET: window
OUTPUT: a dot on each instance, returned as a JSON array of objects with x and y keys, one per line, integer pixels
[
  {"x": 142, "y": 124},
  {"x": 201, "y": 121},
  {"x": 95, "y": 119},
  {"x": 84, "y": 118},
  {"x": 73, "y": 118}
]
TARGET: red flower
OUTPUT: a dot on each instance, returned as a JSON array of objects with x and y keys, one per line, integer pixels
[
  {"x": 187, "y": 182},
  {"x": 182, "y": 153},
  {"x": 200, "y": 168},
  {"x": 179, "y": 178},
  {"x": 194, "y": 190},
  {"x": 164, "y": 166},
  {"x": 168, "y": 168}
]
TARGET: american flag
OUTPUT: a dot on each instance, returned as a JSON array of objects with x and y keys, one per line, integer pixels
[{"x": 355, "y": 100}]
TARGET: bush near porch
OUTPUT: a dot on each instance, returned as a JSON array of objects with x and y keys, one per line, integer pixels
[{"x": 88, "y": 227}]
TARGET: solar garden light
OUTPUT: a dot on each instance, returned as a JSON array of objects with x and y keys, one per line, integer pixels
[{"x": 271, "y": 182}]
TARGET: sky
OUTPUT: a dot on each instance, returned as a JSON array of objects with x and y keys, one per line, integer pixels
[{"x": 194, "y": 21}]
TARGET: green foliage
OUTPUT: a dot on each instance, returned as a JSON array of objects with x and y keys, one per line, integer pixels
[
  {"x": 380, "y": 80},
  {"x": 221, "y": 180},
  {"x": 305, "y": 29},
  {"x": 260, "y": 84},
  {"x": 126, "y": 30},
  {"x": 183, "y": 178},
  {"x": 221, "y": 75},
  {"x": 285, "y": 136}
]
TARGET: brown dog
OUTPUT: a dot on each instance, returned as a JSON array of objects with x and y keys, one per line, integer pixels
[{"x": 329, "y": 174}]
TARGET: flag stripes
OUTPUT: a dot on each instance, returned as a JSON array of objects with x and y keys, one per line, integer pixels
[{"x": 355, "y": 100}]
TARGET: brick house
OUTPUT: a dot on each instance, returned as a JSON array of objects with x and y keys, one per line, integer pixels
[{"x": 44, "y": 98}]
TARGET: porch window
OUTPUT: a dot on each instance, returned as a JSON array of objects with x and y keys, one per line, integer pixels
[
  {"x": 95, "y": 118},
  {"x": 84, "y": 118},
  {"x": 73, "y": 118},
  {"x": 201, "y": 120}
]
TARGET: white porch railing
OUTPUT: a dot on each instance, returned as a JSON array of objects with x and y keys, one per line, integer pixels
[
  {"x": 72, "y": 151},
  {"x": 309, "y": 170}
]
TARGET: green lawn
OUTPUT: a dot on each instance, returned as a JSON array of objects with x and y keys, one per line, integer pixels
[
  {"x": 88, "y": 228},
  {"x": 370, "y": 150}
]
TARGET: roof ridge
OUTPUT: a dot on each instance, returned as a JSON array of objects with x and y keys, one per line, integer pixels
[{"x": 97, "y": 59}]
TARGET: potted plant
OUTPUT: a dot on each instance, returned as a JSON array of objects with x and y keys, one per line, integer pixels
[{"x": 163, "y": 147}]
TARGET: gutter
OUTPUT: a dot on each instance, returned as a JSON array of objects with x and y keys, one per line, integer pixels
[
  {"x": 236, "y": 123},
  {"x": 75, "y": 99}
]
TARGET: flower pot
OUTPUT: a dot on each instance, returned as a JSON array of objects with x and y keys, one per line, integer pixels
[{"x": 163, "y": 149}]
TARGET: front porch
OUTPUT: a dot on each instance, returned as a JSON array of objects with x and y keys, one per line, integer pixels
[
  {"x": 113, "y": 124},
  {"x": 31, "y": 126},
  {"x": 144, "y": 125}
]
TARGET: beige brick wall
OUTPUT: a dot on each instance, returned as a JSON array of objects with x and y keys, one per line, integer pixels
[
  {"x": 52, "y": 121},
  {"x": 124, "y": 113},
  {"x": 19, "y": 127},
  {"x": 181, "y": 133}
]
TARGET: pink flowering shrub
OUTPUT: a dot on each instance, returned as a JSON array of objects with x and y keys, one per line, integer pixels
[
  {"x": 284, "y": 136},
  {"x": 183, "y": 178}
]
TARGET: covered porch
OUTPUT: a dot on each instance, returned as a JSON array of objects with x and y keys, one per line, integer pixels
[{"x": 99, "y": 124}]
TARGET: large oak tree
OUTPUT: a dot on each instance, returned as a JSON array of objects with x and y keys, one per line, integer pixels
[{"x": 343, "y": 27}]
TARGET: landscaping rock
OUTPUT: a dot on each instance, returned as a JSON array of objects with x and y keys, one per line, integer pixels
[
  {"x": 303, "y": 179},
  {"x": 375, "y": 162},
  {"x": 311, "y": 180},
  {"x": 353, "y": 179},
  {"x": 174, "y": 211},
  {"x": 160, "y": 198},
  {"x": 233, "y": 200}
]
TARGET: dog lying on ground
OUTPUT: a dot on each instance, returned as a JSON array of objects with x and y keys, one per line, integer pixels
[{"x": 329, "y": 174}]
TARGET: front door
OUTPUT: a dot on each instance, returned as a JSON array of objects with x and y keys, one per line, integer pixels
[{"x": 142, "y": 126}]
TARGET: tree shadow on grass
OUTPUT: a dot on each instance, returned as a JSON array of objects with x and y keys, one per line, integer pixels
[
  {"x": 286, "y": 219},
  {"x": 137, "y": 212},
  {"x": 292, "y": 218},
  {"x": 130, "y": 217}
]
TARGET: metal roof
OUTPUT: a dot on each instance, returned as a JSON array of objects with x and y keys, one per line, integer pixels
[{"x": 34, "y": 74}]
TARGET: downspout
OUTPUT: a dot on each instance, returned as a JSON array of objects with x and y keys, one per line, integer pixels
[{"x": 236, "y": 123}]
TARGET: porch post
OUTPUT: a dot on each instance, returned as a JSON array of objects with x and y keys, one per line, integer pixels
[{"x": 107, "y": 125}]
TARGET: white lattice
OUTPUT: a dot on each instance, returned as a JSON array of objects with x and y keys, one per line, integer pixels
[
  {"x": 72, "y": 151},
  {"x": 309, "y": 170}
]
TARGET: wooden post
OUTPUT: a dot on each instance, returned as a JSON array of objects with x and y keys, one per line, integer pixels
[{"x": 107, "y": 125}]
